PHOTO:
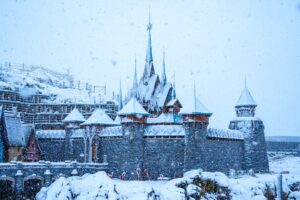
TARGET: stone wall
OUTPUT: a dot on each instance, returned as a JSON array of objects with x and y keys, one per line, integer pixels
[
  {"x": 223, "y": 155},
  {"x": 164, "y": 157},
  {"x": 110, "y": 149}
]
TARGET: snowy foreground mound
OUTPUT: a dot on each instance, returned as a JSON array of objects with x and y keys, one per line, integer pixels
[{"x": 194, "y": 185}]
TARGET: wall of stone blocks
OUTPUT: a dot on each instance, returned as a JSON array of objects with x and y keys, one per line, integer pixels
[
  {"x": 223, "y": 155},
  {"x": 164, "y": 156}
]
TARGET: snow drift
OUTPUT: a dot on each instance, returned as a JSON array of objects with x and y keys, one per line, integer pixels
[{"x": 194, "y": 185}]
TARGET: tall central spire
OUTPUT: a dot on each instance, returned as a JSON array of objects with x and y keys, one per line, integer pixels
[
  {"x": 149, "y": 57},
  {"x": 149, "y": 69}
]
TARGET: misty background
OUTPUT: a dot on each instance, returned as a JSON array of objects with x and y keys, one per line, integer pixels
[{"x": 214, "y": 43}]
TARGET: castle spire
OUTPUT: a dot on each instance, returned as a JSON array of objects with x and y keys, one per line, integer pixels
[
  {"x": 174, "y": 90},
  {"x": 120, "y": 101},
  {"x": 149, "y": 69},
  {"x": 134, "y": 89},
  {"x": 163, "y": 76},
  {"x": 135, "y": 84},
  {"x": 149, "y": 57}
]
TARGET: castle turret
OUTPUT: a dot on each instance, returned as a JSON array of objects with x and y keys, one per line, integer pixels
[
  {"x": 93, "y": 127},
  {"x": 72, "y": 123},
  {"x": 195, "y": 118},
  {"x": 133, "y": 118},
  {"x": 255, "y": 153}
]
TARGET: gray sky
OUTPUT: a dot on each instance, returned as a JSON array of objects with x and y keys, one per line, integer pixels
[{"x": 215, "y": 43}]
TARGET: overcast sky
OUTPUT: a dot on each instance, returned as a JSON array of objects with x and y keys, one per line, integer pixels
[{"x": 216, "y": 43}]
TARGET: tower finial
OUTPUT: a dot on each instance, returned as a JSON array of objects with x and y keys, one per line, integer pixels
[
  {"x": 149, "y": 49},
  {"x": 164, "y": 77},
  {"x": 120, "y": 102},
  {"x": 245, "y": 81},
  {"x": 174, "y": 90},
  {"x": 135, "y": 84},
  {"x": 195, "y": 95}
]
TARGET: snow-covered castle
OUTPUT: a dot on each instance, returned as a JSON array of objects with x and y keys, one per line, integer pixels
[{"x": 154, "y": 135}]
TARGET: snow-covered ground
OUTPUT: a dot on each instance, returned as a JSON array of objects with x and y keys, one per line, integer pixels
[
  {"x": 194, "y": 184},
  {"x": 284, "y": 162}
]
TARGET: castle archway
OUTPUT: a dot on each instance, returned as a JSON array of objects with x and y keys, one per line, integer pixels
[
  {"x": 7, "y": 188},
  {"x": 32, "y": 185}
]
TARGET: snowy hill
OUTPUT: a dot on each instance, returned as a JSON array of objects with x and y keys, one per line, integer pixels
[{"x": 60, "y": 87}]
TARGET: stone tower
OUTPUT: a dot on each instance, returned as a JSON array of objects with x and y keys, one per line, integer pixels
[
  {"x": 72, "y": 123},
  {"x": 195, "y": 118},
  {"x": 133, "y": 118},
  {"x": 255, "y": 153}
]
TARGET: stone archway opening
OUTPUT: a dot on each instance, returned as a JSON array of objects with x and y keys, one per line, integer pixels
[
  {"x": 32, "y": 185},
  {"x": 7, "y": 188}
]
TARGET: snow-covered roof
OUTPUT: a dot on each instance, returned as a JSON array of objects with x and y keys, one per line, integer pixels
[
  {"x": 224, "y": 134},
  {"x": 165, "y": 118},
  {"x": 164, "y": 130},
  {"x": 111, "y": 131},
  {"x": 15, "y": 132},
  {"x": 146, "y": 91},
  {"x": 164, "y": 94},
  {"x": 195, "y": 107},
  {"x": 246, "y": 99},
  {"x": 133, "y": 107},
  {"x": 99, "y": 117},
  {"x": 74, "y": 116},
  {"x": 50, "y": 134},
  {"x": 58, "y": 134},
  {"x": 172, "y": 102}
]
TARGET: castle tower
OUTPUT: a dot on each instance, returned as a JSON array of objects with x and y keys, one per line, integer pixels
[
  {"x": 195, "y": 118},
  {"x": 255, "y": 153},
  {"x": 72, "y": 123},
  {"x": 93, "y": 127},
  {"x": 133, "y": 118}
]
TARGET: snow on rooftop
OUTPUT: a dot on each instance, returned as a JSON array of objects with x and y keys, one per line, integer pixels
[
  {"x": 225, "y": 134},
  {"x": 165, "y": 118},
  {"x": 74, "y": 116},
  {"x": 15, "y": 131},
  {"x": 111, "y": 131},
  {"x": 172, "y": 102},
  {"x": 195, "y": 107},
  {"x": 99, "y": 117},
  {"x": 146, "y": 91},
  {"x": 246, "y": 99},
  {"x": 50, "y": 134},
  {"x": 133, "y": 107},
  {"x": 164, "y": 130},
  {"x": 58, "y": 134}
]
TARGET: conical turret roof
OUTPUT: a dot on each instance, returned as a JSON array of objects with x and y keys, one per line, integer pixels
[
  {"x": 246, "y": 98},
  {"x": 133, "y": 107},
  {"x": 99, "y": 117},
  {"x": 74, "y": 116},
  {"x": 195, "y": 107}
]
